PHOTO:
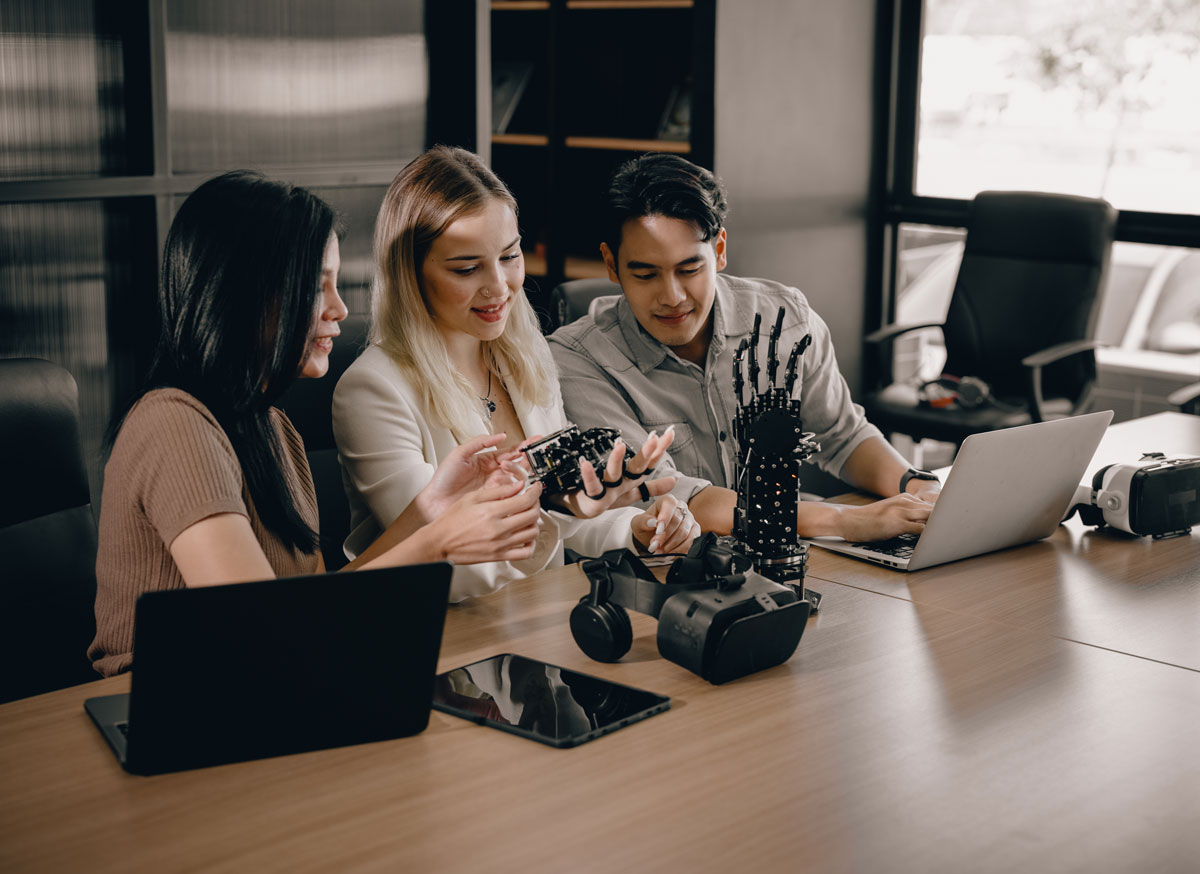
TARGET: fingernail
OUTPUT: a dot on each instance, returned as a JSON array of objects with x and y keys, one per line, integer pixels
[
  {"x": 650, "y": 523},
  {"x": 653, "y": 547}
]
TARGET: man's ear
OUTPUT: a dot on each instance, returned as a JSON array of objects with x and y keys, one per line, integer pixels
[
  {"x": 610, "y": 261},
  {"x": 719, "y": 249}
]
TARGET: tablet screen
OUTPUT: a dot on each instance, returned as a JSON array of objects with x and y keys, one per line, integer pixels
[{"x": 541, "y": 701}]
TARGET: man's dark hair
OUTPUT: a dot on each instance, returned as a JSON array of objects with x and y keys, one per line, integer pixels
[{"x": 666, "y": 185}]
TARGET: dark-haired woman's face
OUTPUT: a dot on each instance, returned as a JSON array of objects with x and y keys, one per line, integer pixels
[{"x": 330, "y": 310}]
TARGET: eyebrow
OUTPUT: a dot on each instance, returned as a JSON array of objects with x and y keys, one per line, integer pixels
[
  {"x": 643, "y": 265},
  {"x": 479, "y": 257}
]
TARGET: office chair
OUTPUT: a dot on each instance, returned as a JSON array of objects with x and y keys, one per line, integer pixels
[
  {"x": 308, "y": 403},
  {"x": 1022, "y": 317},
  {"x": 570, "y": 300},
  {"x": 47, "y": 533},
  {"x": 1186, "y": 398}
]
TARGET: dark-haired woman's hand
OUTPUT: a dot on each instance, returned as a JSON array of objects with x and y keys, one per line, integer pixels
[
  {"x": 617, "y": 490},
  {"x": 468, "y": 467},
  {"x": 494, "y": 523}
]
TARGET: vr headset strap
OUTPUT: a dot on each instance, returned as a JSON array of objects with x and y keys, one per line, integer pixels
[{"x": 621, "y": 577}]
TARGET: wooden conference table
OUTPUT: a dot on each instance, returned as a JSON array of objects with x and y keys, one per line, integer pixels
[{"x": 1037, "y": 709}]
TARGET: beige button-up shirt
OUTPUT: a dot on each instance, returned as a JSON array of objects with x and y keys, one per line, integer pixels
[{"x": 614, "y": 374}]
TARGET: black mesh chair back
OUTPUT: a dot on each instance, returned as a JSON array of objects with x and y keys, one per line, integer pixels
[
  {"x": 309, "y": 403},
  {"x": 47, "y": 533}
]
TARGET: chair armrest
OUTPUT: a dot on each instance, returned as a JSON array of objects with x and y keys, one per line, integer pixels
[
  {"x": 888, "y": 332},
  {"x": 1186, "y": 397},
  {"x": 1038, "y": 360},
  {"x": 1062, "y": 350}
]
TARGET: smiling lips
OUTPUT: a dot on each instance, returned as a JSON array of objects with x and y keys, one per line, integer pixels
[
  {"x": 492, "y": 313},
  {"x": 324, "y": 344},
  {"x": 672, "y": 318}
]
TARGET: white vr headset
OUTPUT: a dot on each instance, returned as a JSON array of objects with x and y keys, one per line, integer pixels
[{"x": 1155, "y": 496}]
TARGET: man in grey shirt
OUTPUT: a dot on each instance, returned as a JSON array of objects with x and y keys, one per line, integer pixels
[{"x": 661, "y": 354}]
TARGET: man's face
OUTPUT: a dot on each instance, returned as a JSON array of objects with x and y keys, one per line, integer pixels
[{"x": 669, "y": 276}]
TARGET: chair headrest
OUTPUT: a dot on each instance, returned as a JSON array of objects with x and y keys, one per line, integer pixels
[
  {"x": 39, "y": 440},
  {"x": 1041, "y": 226}
]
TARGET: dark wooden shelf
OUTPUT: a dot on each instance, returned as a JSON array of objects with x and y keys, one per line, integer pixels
[
  {"x": 584, "y": 268},
  {"x": 520, "y": 139},
  {"x": 535, "y": 264},
  {"x": 558, "y": 148},
  {"x": 629, "y": 145},
  {"x": 629, "y": 4},
  {"x": 519, "y": 5}
]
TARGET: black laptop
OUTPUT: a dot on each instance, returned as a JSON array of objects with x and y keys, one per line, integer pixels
[{"x": 246, "y": 671}]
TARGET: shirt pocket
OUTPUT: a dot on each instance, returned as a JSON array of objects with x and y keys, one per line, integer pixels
[{"x": 683, "y": 447}]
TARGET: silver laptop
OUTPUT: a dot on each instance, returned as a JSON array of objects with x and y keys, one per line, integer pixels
[{"x": 1006, "y": 488}]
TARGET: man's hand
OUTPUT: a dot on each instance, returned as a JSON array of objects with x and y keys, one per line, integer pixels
[
  {"x": 899, "y": 514},
  {"x": 902, "y": 514},
  {"x": 926, "y": 490}
]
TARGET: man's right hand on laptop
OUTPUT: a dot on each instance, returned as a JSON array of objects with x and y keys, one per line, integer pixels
[{"x": 900, "y": 514}]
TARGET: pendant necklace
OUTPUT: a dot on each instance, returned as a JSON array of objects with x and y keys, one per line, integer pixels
[{"x": 489, "y": 405}]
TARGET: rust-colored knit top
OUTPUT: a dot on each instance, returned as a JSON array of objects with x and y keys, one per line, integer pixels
[{"x": 171, "y": 466}]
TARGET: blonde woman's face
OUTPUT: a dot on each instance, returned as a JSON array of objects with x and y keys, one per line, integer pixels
[{"x": 474, "y": 271}]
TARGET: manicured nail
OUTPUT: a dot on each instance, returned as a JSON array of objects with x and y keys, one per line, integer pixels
[{"x": 653, "y": 546}]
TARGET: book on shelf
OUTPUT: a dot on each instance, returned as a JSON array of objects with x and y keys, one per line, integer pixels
[
  {"x": 509, "y": 80},
  {"x": 676, "y": 120}
]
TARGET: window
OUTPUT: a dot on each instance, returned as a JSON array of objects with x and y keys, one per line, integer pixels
[
  {"x": 1096, "y": 99},
  {"x": 1092, "y": 98}
]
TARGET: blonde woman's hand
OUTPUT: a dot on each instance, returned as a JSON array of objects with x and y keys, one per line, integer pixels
[
  {"x": 668, "y": 527},
  {"x": 494, "y": 523},
  {"x": 617, "y": 490}
]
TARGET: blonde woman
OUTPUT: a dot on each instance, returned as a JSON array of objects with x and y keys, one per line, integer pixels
[{"x": 456, "y": 353}]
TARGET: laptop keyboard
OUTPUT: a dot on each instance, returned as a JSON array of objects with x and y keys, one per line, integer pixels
[{"x": 901, "y": 546}]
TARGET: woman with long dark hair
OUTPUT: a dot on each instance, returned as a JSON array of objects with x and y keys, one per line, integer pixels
[{"x": 207, "y": 482}]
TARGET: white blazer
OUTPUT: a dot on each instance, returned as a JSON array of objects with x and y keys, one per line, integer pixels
[{"x": 388, "y": 449}]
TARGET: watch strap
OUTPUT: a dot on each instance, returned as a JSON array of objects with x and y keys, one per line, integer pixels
[{"x": 911, "y": 474}]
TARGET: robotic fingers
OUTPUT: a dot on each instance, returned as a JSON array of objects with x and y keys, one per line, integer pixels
[{"x": 770, "y": 443}]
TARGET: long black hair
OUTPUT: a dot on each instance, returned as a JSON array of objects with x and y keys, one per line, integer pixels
[{"x": 237, "y": 295}]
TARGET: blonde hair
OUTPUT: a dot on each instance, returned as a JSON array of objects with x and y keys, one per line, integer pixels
[{"x": 429, "y": 194}]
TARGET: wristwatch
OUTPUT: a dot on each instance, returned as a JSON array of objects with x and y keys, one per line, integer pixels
[{"x": 913, "y": 473}]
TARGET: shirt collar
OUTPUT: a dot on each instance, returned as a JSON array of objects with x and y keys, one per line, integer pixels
[{"x": 735, "y": 310}]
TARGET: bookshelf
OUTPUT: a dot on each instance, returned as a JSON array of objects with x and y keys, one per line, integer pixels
[{"x": 579, "y": 87}]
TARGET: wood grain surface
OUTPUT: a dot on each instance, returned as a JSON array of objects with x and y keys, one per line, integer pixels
[{"x": 902, "y": 736}]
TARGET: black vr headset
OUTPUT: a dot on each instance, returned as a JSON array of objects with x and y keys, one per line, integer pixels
[
  {"x": 716, "y": 616},
  {"x": 1157, "y": 496}
]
